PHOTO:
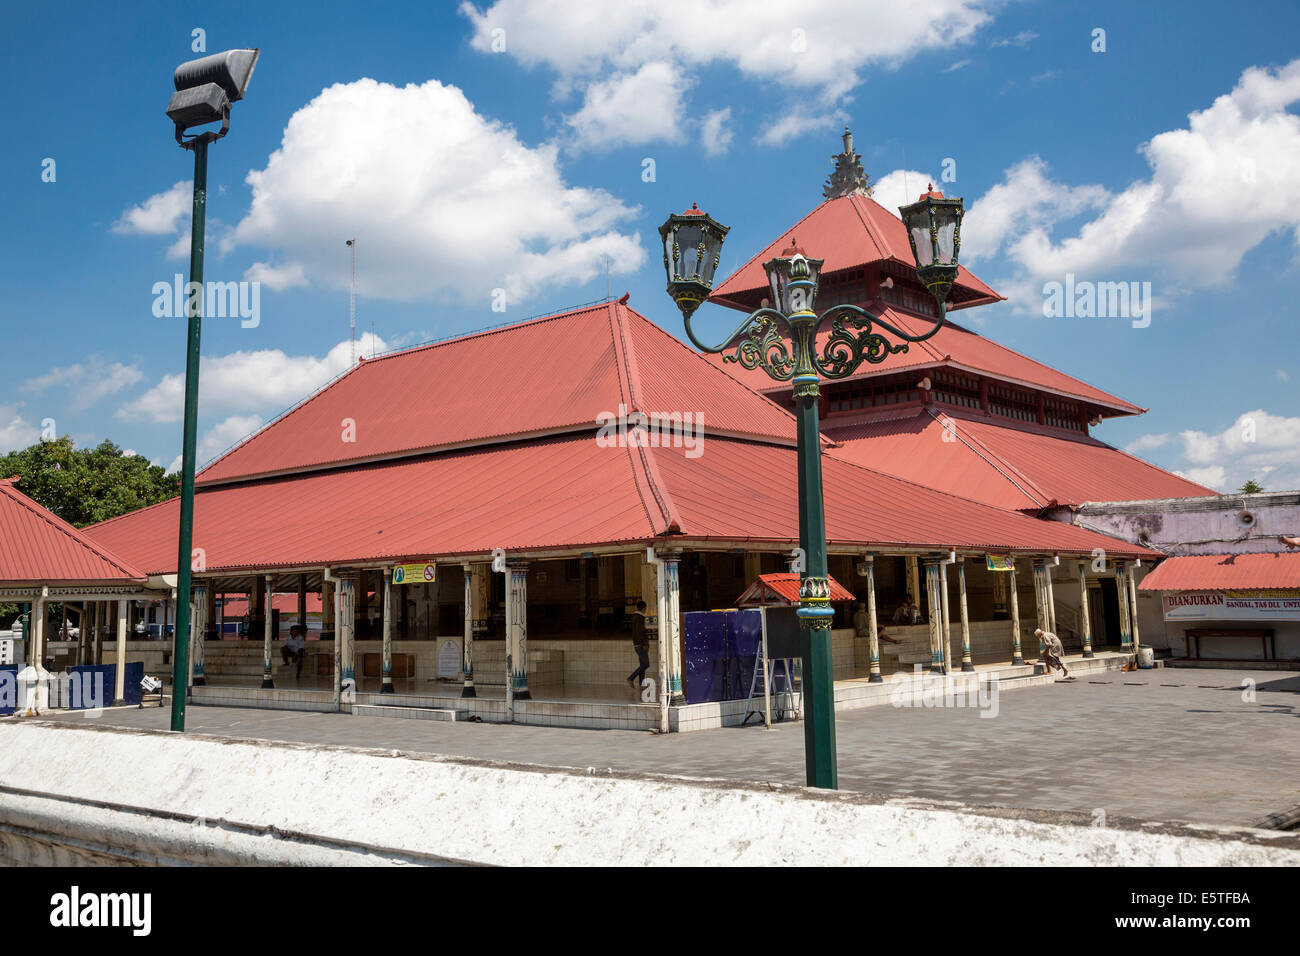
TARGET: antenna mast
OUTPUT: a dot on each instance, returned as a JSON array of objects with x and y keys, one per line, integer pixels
[{"x": 352, "y": 302}]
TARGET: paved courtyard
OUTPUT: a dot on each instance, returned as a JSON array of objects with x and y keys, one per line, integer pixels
[{"x": 1164, "y": 744}]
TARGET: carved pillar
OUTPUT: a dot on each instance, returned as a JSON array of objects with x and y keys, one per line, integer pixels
[
  {"x": 268, "y": 630},
  {"x": 966, "y": 664},
  {"x": 1017, "y": 656},
  {"x": 947, "y": 617},
  {"x": 873, "y": 676},
  {"x": 198, "y": 630},
  {"x": 327, "y": 608},
  {"x": 1085, "y": 619},
  {"x": 935, "y": 602},
  {"x": 670, "y": 624},
  {"x": 473, "y": 612},
  {"x": 913, "y": 578},
  {"x": 516, "y": 634},
  {"x": 1040, "y": 601},
  {"x": 1051, "y": 598},
  {"x": 386, "y": 677},
  {"x": 345, "y": 612},
  {"x": 1121, "y": 587},
  {"x": 1131, "y": 574}
]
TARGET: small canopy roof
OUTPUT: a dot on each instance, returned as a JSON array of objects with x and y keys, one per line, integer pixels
[
  {"x": 39, "y": 547},
  {"x": 1220, "y": 572},
  {"x": 783, "y": 589}
]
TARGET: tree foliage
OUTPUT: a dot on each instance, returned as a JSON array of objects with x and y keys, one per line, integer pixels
[
  {"x": 1251, "y": 487},
  {"x": 86, "y": 485}
]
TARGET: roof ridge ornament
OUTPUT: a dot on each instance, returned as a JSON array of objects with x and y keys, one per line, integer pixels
[{"x": 848, "y": 177}]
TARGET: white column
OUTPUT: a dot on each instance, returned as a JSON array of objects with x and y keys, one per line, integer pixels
[
  {"x": 268, "y": 631},
  {"x": 1051, "y": 598},
  {"x": 345, "y": 681},
  {"x": 966, "y": 664},
  {"x": 119, "y": 670},
  {"x": 1085, "y": 620},
  {"x": 874, "y": 676},
  {"x": 386, "y": 668},
  {"x": 947, "y": 617},
  {"x": 1017, "y": 655},
  {"x": 97, "y": 649},
  {"x": 473, "y": 613},
  {"x": 516, "y": 634},
  {"x": 1133, "y": 607},
  {"x": 1121, "y": 589},
  {"x": 670, "y": 626},
  {"x": 39, "y": 699},
  {"x": 935, "y": 602},
  {"x": 198, "y": 633}
]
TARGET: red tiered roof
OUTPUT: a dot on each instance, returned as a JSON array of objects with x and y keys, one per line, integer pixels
[
  {"x": 543, "y": 377},
  {"x": 1014, "y": 467},
  {"x": 958, "y": 348},
  {"x": 847, "y": 233},
  {"x": 39, "y": 547}
]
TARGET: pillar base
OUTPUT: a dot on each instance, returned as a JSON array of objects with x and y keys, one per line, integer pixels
[
  {"x": 523, "y": 695},
  {"x": 938, "y": 669},
  {"x": 198, "y": 681},
  {"x": 1088, "y": 654},
  {"x": 386, "y": 688},
  {"x": 268, "y": 684},
  {"x": 967, "y": 667},
  {"x": 120, "y": 702},
  {"x": 1017, "y": 660},
  {"x": 875, "y": 679},
  {"x": 677, "y": 700},
  {"x": 468, "y": 691}
]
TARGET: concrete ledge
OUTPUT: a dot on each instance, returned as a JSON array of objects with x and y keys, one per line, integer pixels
[
  {"x": 75, "y": 793},
  {"x": 410, "y": 713}
]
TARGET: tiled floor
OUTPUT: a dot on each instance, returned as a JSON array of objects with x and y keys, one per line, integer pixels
[{"x": 1163, "y": 744}]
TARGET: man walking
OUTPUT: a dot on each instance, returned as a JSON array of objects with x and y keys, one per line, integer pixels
[
  {"x": 641, "y": 644},
  {"x": 1052, "y": 652}
]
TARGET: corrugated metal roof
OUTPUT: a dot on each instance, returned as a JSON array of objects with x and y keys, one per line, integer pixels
[
  {"x": 958, "y": 348},
  {"x": 544, "y": 376},
  {"x": 565, "y": 494},
  {"x": 847, "y": 232},
  {"x": 1009, "y": 466},
  {"x": 236, "y": 605},
  {"x": 37, "y": 546},
  {"x": 542, "y": 494},
  {"x": 783, "y": 587},
  {"x": 742, "y": 491},
  {"x": 1219, "y": 572}
]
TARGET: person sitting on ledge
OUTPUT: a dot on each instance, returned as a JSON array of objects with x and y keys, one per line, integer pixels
[
  {"x": 908, "y": 612},
  {"x": 295, "y": 647}
]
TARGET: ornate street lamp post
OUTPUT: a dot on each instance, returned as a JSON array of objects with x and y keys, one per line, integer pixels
[
  {"x": 205, "y": 90},
  {"x": 781, "y": 339}
]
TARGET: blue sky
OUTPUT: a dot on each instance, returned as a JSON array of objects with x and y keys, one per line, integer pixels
[{"x": 504, "y": 147}]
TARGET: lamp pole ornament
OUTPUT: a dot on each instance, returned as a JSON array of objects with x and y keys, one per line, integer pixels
[
  {"x": 782, "y": 340},
  {"x": 205, "y": 90}
]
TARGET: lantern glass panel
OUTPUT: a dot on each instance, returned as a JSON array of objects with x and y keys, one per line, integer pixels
[
  {"x": 921, "y": 236},
  {"x": 946, "y": 219}
]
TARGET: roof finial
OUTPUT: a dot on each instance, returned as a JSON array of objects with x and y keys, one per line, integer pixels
[{"x": 848, "y": 177}]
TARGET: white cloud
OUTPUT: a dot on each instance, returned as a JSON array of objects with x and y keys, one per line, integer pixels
[
  {"x": 265, "y": 382},
  {"x": 826, "y": 44},
  {"x": 1021, "y": 39},
  {"x": 15, "y": 432},
  {"x": 220, "y": 437},
  {"x": 1257, "y": 445},
  {"x": 903, "y": 187},
  {"x": 1217, "y": 189},
  {"x": 631, "y": 108},
  {"x": 86, "y": 384},
  {"x": 160, "y": 214},
  {"x": 1147, "y": 442},
  {"x": 1281, "y": 375},
  {"x": 442, "y": 201},
  {"x": 960, "y": 64},
  {"x": 715, "y": 134},
  {"x": 796, "y": 122},
  {"x": 277, "y": 278}
]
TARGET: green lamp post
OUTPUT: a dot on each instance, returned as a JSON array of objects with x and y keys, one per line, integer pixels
[
  {"x": 782, "y": 340},
  {"x": 205, "y": 89}
]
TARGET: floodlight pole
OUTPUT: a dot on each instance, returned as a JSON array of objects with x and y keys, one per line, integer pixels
[{"x": 184, "y": 555}]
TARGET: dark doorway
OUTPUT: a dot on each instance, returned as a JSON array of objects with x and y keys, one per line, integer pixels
[{"x": 1108, "y": 634}]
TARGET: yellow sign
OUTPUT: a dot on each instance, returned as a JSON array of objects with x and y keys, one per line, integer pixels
[
  {"x": 415, "y": 573},
  {"x": 1000, "y": 562}
]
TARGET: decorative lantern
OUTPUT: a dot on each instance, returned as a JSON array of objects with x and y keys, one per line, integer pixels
[
  {"x": 934, "y": 230},
  {"x": 692, "y": 249},
  {"x": 792, "y": 278}
]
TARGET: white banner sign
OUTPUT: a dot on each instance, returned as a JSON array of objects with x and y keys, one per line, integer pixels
[{"x": 1243, "y": 605}]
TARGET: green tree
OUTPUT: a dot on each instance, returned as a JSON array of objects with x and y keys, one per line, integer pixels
[
  {"x": 86, "y": 485},
  {"x": 1251, "y": 487}
]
